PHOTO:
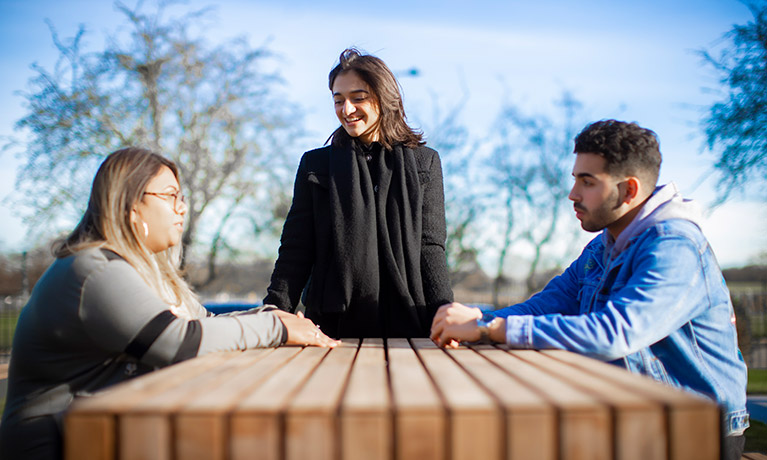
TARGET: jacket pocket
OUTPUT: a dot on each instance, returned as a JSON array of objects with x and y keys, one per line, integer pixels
[
  {"x": 318, "y": 179},
  {"x": 588, "y": 285},
  {"x": 657, "y": 370}
]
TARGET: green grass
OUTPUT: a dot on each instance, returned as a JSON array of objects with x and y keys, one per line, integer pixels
[
  {"x": 7, "y": 326},
  {"x": 756, "y": 437},
  {"x": 757, "y": 381}
]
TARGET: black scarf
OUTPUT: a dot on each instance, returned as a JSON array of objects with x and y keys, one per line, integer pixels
[{"x": 376, "y": 233}]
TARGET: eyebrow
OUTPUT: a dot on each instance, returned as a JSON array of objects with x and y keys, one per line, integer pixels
[
  {"x": 352, "y": 92},
  {"x": 584, "y": 174}
]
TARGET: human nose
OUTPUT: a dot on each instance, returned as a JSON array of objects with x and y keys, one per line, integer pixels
[
  {"x": 349, "y": 108},
  {"x": 573, "y": 195},
  {"x": 180, "y": 205}
]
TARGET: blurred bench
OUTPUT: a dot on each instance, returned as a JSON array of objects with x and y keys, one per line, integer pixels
[
  {"x": 226, "y": 307},
  {"x": 397, "y": 400}
]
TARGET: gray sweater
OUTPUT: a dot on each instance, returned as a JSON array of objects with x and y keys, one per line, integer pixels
[{"x": 92, "y": 322}]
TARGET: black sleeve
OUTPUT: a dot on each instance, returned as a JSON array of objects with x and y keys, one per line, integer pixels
[
  {"x": 436, "y": 278},
  {"x": 296, "y": 254}
]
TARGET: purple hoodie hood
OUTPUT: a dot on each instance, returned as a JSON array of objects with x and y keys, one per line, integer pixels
[{"x": 665, "y": 203}]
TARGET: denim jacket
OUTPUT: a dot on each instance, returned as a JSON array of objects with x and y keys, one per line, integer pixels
[{"x": 654, "y": 302}]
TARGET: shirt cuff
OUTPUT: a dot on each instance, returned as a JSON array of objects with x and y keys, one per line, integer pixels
[{"x": 519, "y": 331}]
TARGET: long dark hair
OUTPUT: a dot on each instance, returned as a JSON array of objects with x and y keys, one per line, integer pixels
[{"x": 393, "y": 127}]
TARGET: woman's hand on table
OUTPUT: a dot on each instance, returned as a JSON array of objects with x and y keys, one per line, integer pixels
[{"x": 302, "y": 331}]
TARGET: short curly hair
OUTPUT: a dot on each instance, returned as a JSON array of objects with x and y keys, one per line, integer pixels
[{"x": 628, "y": 149}]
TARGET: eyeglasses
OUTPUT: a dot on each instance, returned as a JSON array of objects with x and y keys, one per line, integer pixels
[{"x": 177, "y": 196}]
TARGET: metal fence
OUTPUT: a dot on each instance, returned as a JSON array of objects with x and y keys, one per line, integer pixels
[{"x": 751, "y": 317}]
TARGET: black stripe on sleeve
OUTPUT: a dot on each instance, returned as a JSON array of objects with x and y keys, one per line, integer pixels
[
  {"x": 284, "y": 338},
  {"x": 190, "y": 346},
  {"x": 111, "y": 255},
  {"x": 146, "y": 336}
]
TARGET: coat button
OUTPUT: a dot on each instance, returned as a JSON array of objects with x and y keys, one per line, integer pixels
[
  {"x": 375, "y": 189},
  {"x": 369, "y": 157}
]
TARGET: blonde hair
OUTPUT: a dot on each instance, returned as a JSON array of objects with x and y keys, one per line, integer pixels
[{"x": 119, "y": 184}]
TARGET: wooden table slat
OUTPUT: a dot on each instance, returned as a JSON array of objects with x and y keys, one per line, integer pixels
[
  {"x": 90, "y": 436},
  {"x": 322, "y": 392},
  {"x": 154, "y": 433},
  {"x": 249, "y": 378},
  {"x": 458, "y": 388},
  {"x": 149, "y": 430},
  {"x": 640, "y": 424},
  {"x": 636, "y": 383},
  {"x": 366, "y": 423},
  {"x": 368, "y": 390},
  {"x": 412, "y": 389},
  {"x": 419, "y": 415},
  {"x": 473, "y": 413},
  {"x": 274, "y": 393},
  {"x": 198, "y": 386},
  {"x": 531, "y": 428},
  {"x": 202, "y": 424},
  {"x": 585, "y": 426},
  {"x": 125, "y": 395},
  {"x": 688, "y": 415},
  {"x": 311, "y": 418},
  {"x": 256, "y": 423}
]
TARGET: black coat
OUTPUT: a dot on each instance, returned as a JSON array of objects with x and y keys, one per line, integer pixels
[{"x": 369, "y": 273}]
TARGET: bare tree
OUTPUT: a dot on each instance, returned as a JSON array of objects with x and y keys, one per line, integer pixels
[
  {"x": 736, "y": 125},
  {"x": 529, "y": 170},
  {"x": 213, "y": 109},
  {"x": 463, "y": 203}
]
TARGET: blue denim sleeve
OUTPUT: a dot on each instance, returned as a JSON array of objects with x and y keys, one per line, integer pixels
[{"x": 664, "y": 288}]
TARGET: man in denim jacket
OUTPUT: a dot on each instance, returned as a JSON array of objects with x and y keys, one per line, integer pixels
[{"x": 646, "y": 294}]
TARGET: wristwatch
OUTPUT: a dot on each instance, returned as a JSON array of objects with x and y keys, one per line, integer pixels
[{"x": 483, "y": 324}]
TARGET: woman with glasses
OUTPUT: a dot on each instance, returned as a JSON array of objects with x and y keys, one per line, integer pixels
[
  {"x": 113, "y": 306},
  {"x": 363, "y": 244}
]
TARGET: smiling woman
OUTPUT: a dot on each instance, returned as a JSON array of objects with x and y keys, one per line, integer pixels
[
  {"x": 113, "y": 306},
  {"x": 364, "y": 240},
  {"x": 355, "y": 107}
]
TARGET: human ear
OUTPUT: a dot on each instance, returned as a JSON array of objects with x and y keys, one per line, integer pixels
[
  {"x": 632, "y": 189},
  {"x": 134, "y": 220}
]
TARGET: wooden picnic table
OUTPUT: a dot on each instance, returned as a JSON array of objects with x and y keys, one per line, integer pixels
[{"x": 397, "y": 400}]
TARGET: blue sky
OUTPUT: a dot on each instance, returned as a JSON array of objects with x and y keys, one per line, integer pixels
[{"x": 628, "y": 60}]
